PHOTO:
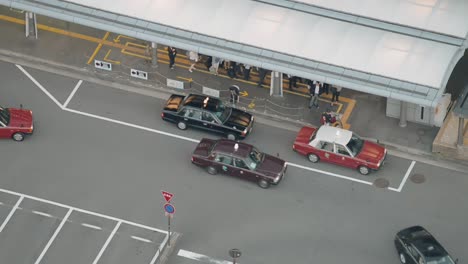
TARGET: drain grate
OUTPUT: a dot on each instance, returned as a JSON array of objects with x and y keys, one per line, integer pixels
[
  {"x": 381, "y": 183},
  {"x": 418, "y": 178}
]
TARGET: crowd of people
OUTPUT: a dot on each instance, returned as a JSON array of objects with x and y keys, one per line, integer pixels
[{"x": 242, "y": 70}]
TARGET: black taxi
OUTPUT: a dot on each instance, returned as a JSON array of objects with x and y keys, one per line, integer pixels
[{"x": 207, "y": 113}]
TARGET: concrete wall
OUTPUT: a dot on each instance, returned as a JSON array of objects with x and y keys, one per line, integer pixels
[{"x": 415, "y": 113}]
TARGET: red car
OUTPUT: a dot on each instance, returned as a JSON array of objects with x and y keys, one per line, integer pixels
[
  {"x": 339, "y": 146},
  {"x": 15, "y": 123},
  {"x": 239, "y": 160}
]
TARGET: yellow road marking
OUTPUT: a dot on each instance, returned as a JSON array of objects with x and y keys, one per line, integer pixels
[
  {"x": 244, "y": 93},
  {"x": 97, "y": 48},
  {"x": 117, "y": 40},
  {"x": 185, "y": 79},
  {"x": 127, "y": 44},
  {"x": 109, "y": 60},
  {"x": 138, "y": 51}
]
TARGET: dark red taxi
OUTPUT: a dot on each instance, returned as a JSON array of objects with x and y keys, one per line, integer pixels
[
  {"x": 15, "y": 123},
  {"x": 239, "y": 160},
  {"x": 339, "y": 146}
]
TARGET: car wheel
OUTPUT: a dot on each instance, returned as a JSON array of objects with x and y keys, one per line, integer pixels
[
  {"x": 263, "y": 183},
  {"x": 402, "y": 258},
  {"x": 212, "y": 170},
  {"x": 18, "y": 136},
  {"x": 363, "y": 170},
  {"x": 231, "y": 136},
  {"x": 313, "y": 158},
  {"x": 181, "y": 125}
]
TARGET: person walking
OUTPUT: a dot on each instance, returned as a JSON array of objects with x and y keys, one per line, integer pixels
[
  {"x": 172, "y": 53},
  {"x": 261, "y": 76},
  {"x": 292, "y": 81},
  {"x": 215, "y": 65},
  {"x": 326, "y": 88},
  {"x": 193, "y": 57},
  {"x": 314, "y": 95},
  {"x": 335, "y": 94},
  {"x": 247, "y": 72}
]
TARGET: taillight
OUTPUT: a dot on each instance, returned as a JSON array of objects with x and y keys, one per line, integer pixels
[{"x": 162, "y": 114}]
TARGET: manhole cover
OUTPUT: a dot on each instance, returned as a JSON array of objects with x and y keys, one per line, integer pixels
[
  {"x": 381, "y": 183},
  {"x": 418, "y": 178}
]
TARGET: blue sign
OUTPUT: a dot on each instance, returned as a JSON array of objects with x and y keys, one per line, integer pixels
[{"x": 169, "y": 208}]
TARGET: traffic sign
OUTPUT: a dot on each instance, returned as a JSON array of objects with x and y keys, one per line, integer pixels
[
  {"x": 167, "y": 195},
  {"x": 169, "y": 208}
]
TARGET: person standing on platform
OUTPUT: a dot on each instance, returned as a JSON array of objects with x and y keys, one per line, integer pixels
[
  {"x": 172, "y": 53},
  {"x": 193, "y": 57},
  {"x": 247, "y": 72},
  {"x": 314, "y": 95}
]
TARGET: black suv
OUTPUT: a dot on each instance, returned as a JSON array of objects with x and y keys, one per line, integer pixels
[
  {"x": 208, "y": 113},
  {"x": 415, "y": 245}
]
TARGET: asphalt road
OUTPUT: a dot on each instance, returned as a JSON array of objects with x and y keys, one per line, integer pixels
[{"x": 118, "y": 169}]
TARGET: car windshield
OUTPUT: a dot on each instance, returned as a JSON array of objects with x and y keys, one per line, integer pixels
[
  {"x": 4, "y": 116},
  {"x": 254, "y": 158},
  {"x": 222, "y": 112},
  {"x": 439, "y": 260},
  {"x": 355, "y": 144}
]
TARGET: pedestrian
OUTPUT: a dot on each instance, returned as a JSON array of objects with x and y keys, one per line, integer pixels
[
  {"x": 231, "y": 71},
  {"x": 292, "y": 81},
  {"x": 261, "y": 75},
  {"x": 235, "y": 91},
  {"x": 247, "y": 72},
  {"x": 326, "y": 88},
  {"x": 209, "y": 62},
  {"x": 314, "y": 92},
  {"x": 172, "y": 53},
  {"x": 335, "y": 94},
  {"x": 193, "y": 57},
  {"x": 215, "y": 65}
]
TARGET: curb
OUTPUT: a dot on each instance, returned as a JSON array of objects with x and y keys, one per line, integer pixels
[{"x": 98, "y": 77}]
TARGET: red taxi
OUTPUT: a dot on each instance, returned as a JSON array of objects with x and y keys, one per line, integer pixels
[
  {"x": 339, "y": 146},
  {"x": 15, "y": 123}
]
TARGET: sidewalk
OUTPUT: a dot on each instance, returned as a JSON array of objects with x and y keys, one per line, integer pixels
[{"x": 72, "y": 52}]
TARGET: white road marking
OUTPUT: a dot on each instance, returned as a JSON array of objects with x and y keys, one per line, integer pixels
[
  {"x": 41, "y": 213},
  {"x": 170, "y": 134},
  {"x": 11, "y": 212},
  {"x": 38, "y": 260},
  {"x": 72, "y": 93},
  {"x": 160, "y": 249},
  {"x": 142, "y": 239},
  {"x": 107, "y": 243},
  {"x": 40, "y": 86},
  {"x": 406, "y": 176},
  {"x": 83, "y": 211},
  {"x": 328, "y": 173},
  {"x": 201, "y": 258},
  {"x": 91, "y": 226},
  {"x": 1, "y": 203},
  {"x": 132, "y": 125}
]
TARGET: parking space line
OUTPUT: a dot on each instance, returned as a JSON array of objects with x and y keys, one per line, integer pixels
[
  {"x": 41, "y": 213},
  {"x": 38, "y": 260},
  {"x": 328, "y": 173},
  {"x": 200, "y": 257},
  {"x": 107, "y": 242},
  {"x": 174, "y": 135},
  {"x": 406, "y": 176},
  {"x": 83, "y": 211},
  {"x": 40, "y": 86},
  {"x": 142, "y": 239},
  {"x": 73, "y": 93},
  {"x": 11, "y": 212},
  {"x": 160, "y": 249},
  {"x": 131, "y": 125},
  {"x": 91, "y": 226}
]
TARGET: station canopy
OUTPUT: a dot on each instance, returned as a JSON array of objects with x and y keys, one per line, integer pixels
[{"x": 388, "y": 63}]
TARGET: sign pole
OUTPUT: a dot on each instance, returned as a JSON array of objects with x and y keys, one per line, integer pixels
[{"x": 169, "y": 230}]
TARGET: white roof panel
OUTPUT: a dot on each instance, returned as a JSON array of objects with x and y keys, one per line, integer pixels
[
  {"x": 443, "y": 16},
  {"x": 299, "y": 34},
  {"x": 334, "y": 134}
]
